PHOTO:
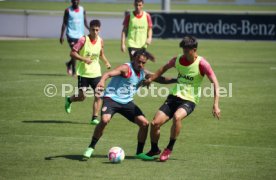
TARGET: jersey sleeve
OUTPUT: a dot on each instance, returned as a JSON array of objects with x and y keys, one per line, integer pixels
[
  {"x": 126, "y": 20},
  {"x": 149, "y": 20},
  {"x": 205, "y": 68},
  {"x": 79, "y": 44}
]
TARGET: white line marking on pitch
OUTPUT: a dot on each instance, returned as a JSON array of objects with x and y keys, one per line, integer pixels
[{"x": 272, "y": 68}]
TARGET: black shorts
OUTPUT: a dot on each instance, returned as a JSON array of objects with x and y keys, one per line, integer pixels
[
  {"x": 129, "y": 110},
  {"x": 131, "y": 52},
  {"x": 173, "y": 103},
  {"x": 71, "y": 41},
  {"x": 84, "y": 83}
]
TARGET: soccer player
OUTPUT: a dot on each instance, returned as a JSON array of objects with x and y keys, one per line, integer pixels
[
  {"x": 184, "y": 95},
  {"x": 118, "y": 98},
  {"x": 74, "y": 20},
  {"x": 88, "y": 51},
  {"x": 137, "y": 26}
]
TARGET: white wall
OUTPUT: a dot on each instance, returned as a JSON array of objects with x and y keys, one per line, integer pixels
[{"x": 47, "y": 26}]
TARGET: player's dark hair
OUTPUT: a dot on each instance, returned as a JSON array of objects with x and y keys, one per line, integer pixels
[
  {"x": 188, "y": 42},
  {"x": 145, "y": 53},
  {"x": 95, "y": 22},
  {"x": 137, "y": 1}
]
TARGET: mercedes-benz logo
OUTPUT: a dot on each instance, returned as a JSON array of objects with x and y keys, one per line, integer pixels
[{"x": 158, "y": 25}]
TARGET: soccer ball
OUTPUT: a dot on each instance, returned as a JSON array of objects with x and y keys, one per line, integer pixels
[{"x": 116, "y": 155}]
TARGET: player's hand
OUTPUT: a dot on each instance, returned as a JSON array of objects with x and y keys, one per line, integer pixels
[
  {"x": 146, "y": 82},
  {"x": 87, "y": 61},
  {"x": 123, "y": 48},
  {"x": 216, "y": 112},
  {"x": 61, "y": 39},
  {"x": 108, "y": 65},
  {"x": 148, "y": 41}
]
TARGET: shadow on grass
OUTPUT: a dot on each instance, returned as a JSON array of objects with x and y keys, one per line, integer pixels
[
  {"x": 44, "y": 74},
  {"x": 52, "y": 121},
  {"x": 81, "y": 158},
  {"x": 72, "y": 157}
]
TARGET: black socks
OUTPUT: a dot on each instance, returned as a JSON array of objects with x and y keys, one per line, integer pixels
[
  {"x": 171, "y": 144},
  {"x": 154, "y": 147},
  {"x": 93, "y": 142},
  {"x": 140, "y": 147}
]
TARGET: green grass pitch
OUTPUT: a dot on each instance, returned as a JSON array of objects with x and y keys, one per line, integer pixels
[{"x": 38, "y": 140}]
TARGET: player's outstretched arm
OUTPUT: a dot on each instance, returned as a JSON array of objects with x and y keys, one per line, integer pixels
[
  {"x": 161, "y": 79},
  {"x": 216, "y": 109},
  {"x": 121, "y": 70},
  {"x": 63, "y": 26},
  {"x": 157, "y": 74}
]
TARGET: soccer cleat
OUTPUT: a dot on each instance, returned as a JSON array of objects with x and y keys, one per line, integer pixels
[
  {"x": 88, "y": 153},
  {"x": 67, "y": 104},
  {"x": 152, "y": 153},
  {"x": 165, "y": 155},
  {"x": 144, "y": 157},
  {"x": 94, "y": 121}
]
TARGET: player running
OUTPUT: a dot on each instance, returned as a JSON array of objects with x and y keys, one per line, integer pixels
[{"x": 88, "y": 51}]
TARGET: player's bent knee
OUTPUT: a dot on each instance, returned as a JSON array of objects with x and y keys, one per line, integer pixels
[
  {"x": 155, "y": 124},
  {"x": 145, "y": 124},
  {"x": 81, "y": 97},
  {"x": 177, "y": 118},
  {"x": 105, "y": 121}
]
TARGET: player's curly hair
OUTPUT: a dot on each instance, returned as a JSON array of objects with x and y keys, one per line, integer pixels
[
  {"x": 145, "y": 53},
  {"x": 188, "y": 42}
]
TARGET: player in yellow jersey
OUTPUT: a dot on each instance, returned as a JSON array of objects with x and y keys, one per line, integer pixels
[
  {"x": 88, "y": 51},
  {"x": 137, "y": 26},
  {"x": 184, "y": 95}
]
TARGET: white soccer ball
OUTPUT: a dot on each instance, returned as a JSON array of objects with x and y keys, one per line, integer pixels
[{"x": 116, "y": 155}]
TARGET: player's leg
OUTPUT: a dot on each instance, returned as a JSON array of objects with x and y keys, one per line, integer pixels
[
  {"x": 134, "y": 114},
  {"x": 143, "y": 124},
  {"x": 159, "y": 119},
  {"x": 108, "y": 110},
  {"x": 82, "y": 85},
  {"x": 162, "y": 116},
  {"x": 97, "y": 103},
  {"x": 71, "y": 64},
  {"x": 98, "y": 132},
  {"x": 183, "y": 111},
  {"x": 96, "y": 108}
]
